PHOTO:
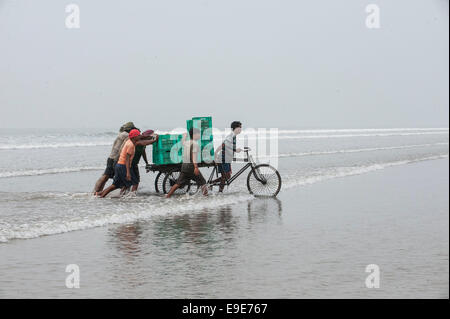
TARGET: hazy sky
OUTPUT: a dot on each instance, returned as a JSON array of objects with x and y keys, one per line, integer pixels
[{"x": 286, "y": 64}]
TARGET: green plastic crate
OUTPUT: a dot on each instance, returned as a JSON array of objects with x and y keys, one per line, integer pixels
[
  {"x": 204, "y": 124},
  {"x": 207, "y": 150},
  {"x": 168, "y": 149}
]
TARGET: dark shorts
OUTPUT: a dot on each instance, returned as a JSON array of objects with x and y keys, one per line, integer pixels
[
  {"x": 109, "y": 171},
  {"x": 224, "y": 168},
  {"x": 184, "y": 178},
  {"x": 137, "y": 176},
  {"x": 120, "y": 177}
]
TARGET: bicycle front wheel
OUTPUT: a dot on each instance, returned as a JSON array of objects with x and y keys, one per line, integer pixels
[{"x": 264, "y": 180}]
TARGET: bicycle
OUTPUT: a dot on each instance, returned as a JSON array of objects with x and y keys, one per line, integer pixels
[{"x": 262, "y": 180}]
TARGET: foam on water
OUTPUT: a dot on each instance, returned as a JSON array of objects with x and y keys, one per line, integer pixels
[
  {"x": 364, "y": 130},
  {"x": 106, "y": 139},
  {"x": 37, "y": 172},
  {"x": 53, "y": 145},
  {"x": 90, "y": 213},
  {"x": 63, "y": 170},
  {"x": 321, "y": 136},
  {"x": 44, "y": 211},
  {"x": 128, "y": 213},
  {"x": 338, "y": 172},
  {"x": 315, "y": 131},
  {"x": 357, "y": 150}
]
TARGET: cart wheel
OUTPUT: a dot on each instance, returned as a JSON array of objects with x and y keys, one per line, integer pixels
[
  {"x": 159, "y": 181},
  {"x": 193, "y": 188},
  {"x": 170, "y": 179}
]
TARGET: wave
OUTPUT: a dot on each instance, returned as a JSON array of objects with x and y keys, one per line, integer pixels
[
  {"x": 247, "y": 134},
  {"x": 356, "y": 150},
  {"x": 33, "y": 196},
  {"x": 37, "y": 172},
  {"x": 355, "y": 170},
  {"x": 363, "y": 130},
  {"x": 124, "y": 214},
  {"x": 316, "y": 131},
  {"x": 53, "y": 145},
  {"x": 282, "y": 137},
  {"x": 63, "y": 170}
]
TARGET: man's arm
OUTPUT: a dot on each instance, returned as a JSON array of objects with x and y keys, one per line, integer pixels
[
  {"x": 184, "y": 138},
  {"x": 218, "y": 152},
  {"x": 144, "y": 156},
  {"x": 127, "y": 165},
  {"x": 194, "y": 161},
  {"x": 146, "y": 142},
  {"x": 122, "y": 145},
  {"x": 219, "y": 148},
  {"x": 195, "y": 150}
]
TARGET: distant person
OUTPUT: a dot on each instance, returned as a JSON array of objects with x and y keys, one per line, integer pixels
[
  {"x": 146, "y": 138},
  {"x": 113, "y": 157},
  {"x": 189, "y": 168},
  {"x": 225, "y": 154},
  {"x": 123, "y": 175}
]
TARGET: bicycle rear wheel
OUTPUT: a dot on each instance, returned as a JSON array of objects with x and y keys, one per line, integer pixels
[
  {"x": 264, "y": 180},
  {"x": 170, "y": 179}
]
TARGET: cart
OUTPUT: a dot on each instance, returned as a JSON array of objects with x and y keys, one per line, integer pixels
[{"x": 167, "y": 174}]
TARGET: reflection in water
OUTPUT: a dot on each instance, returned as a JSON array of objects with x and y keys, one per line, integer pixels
[
  {"x": 128, "y": 239},
  {"x": 225, "y": 219},
  {"x": 188, "y": 248},
  {"x": 201, "y": 231},
  {"x": 129, "y": 243},
  {"x": 260, "y": 209}
]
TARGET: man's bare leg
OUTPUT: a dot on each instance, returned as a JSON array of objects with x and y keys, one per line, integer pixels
[
  {"x": 172, "y": 190},
  {"x": 100, "y": 184},
  {"x": 223, "y": 179},
  {"x": 205, "y": 190},
  {"x": 124, "y": 190},
  {"x": 134, "y": 188},
  {"x": 107, "y": 191}
]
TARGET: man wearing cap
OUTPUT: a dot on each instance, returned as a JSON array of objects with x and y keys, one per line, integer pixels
[
  {"x": 113, "y": 157},
  {"x": 122, "y": 173},
  {"x": 126, "y": 175}
]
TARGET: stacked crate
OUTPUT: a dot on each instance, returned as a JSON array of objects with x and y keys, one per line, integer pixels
[
  {"x": 204, "y": 124},
  {"x": 168, "y": 149}
]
